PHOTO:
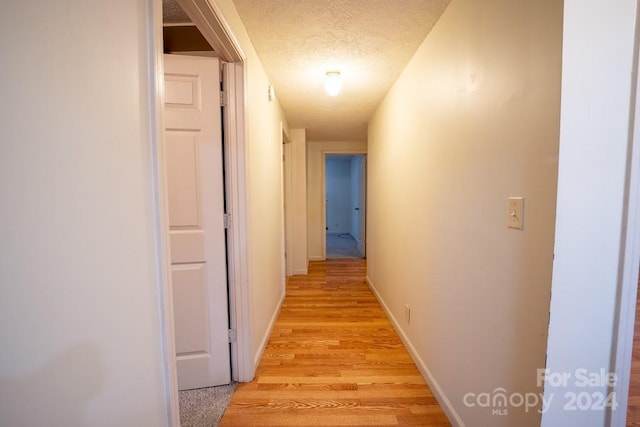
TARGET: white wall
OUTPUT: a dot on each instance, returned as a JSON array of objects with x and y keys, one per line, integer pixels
[
  {"x": 338, "y": 194},
  {"x": 596, "y": 90},
  {"x": 298, "y": 204},
  {"x": 315, "y": 188},
  {"x": 265, "y": 122},
  {"x": 473, "y": 119},
  {"x": 79, "y": 296}
]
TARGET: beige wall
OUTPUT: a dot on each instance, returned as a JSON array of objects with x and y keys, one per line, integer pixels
[
  {"x": 473, "y": 119},
  {"x": 80, "y": 310},
  {"x": 264, "y": 126},
  {"x": 315, "y": 188}
]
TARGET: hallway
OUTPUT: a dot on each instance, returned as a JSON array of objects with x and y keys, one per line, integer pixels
[{"x": 334, "y": 359}]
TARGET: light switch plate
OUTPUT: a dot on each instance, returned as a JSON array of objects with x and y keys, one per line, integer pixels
[{"x": 515, "y": 212}]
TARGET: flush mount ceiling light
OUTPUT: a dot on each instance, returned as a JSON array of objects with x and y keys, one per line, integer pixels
[{"x": 332, "y": 83}]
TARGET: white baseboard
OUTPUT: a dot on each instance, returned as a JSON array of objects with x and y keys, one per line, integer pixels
[
  {"x": 439, "y": 394},
  {"x": 316, "y": 258},
  {"x": 267, "y": 335}
]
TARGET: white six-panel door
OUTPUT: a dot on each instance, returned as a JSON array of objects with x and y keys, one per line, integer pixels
[{"x": 193, "y": 140}]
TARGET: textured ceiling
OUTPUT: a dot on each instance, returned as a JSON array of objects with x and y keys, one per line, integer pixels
[
  {"x": 172, "y": 13},
  {"x": 368, "y": 41}
]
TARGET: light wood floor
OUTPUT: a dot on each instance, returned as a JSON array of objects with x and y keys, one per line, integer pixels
[
  {"x": 633, "y": 408},
  {"x": 334, "y": 359}
]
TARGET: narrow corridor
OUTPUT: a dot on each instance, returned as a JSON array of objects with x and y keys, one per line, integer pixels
[{"x": 334, "y": 359}]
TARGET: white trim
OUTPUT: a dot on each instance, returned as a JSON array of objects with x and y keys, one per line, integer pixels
[
  {"x": 365, "y": 190},
  {"x": 437, "y": 391},
  {"x": 239, "y": 307},
  {"x": 323, "y": 184},
  {"x": 323, "y": 195},
  {"x": 287, "y": 182},
  {"x": 209, "y": 19},
  {"x": 267, "y": 335},
  {"x": 161, "y": 211},
  {"x": 630, "y": 257}
]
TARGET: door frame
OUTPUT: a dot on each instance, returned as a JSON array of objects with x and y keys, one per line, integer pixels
[
  {"x": 363, "y": 190},
  {"x": 323, "y": 179},
  {"x": 287, "y": 181},
  {"x": 627, "y": 287},
  {"x": 242, "y": 367},
  {"x": 208, "y": 18}
]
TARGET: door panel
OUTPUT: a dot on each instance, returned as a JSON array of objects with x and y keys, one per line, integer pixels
[
  {"x": 193, "y": 141},
  {"x": 190, "y": 308},
  {"x": 187, "y": 246},
  {"x": 182, "y": 169}
]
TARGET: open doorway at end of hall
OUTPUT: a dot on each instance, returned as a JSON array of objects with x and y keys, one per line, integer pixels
[{"x": 345, "y": 205}]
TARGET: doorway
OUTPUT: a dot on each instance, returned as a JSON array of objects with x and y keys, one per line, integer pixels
[
  {"x": 205, "y": 23},
  {"x": 345, "y": 205},
  {"x": 195, "y": 180}
]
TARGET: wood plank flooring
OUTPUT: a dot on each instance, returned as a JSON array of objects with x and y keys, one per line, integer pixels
[
  {"x": 333, "y": 359},
  {"x": 633, "y": 407}
]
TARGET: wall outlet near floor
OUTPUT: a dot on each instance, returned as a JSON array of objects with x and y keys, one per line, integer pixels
[{"x": 407, "y": 313}]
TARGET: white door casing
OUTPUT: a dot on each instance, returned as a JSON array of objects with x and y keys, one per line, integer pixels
[
  {"x": 287, "y": 206},
  {"x": 193, "y": 144},
  {"x": 362, "y": 205}
]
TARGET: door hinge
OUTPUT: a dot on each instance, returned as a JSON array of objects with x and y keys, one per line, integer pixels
[
  {"x": 233, "y": 336},
  {"x": 223, "y": 98},
  {"x": 227, "y": 220}
]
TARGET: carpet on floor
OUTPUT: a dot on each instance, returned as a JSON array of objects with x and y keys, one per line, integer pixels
[
  {"x": 342, "y": 246},
  {"x": 204, "y": 407}
]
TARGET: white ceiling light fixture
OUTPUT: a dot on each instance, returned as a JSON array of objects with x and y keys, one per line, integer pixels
[{"x": 333, "y": 83}]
